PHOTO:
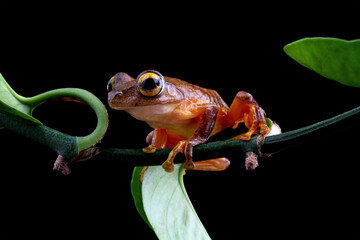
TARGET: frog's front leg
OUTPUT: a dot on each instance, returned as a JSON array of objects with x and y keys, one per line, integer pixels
[
  {"x": 207, "y": 118},
  {"x": 245, "y": 109}
]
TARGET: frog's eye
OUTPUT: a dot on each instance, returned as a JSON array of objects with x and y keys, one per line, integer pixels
[
  {"x": 150, "y": 83},
  {"x": 110, "y": 84}
]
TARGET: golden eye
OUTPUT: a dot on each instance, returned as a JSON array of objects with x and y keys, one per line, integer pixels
[
  {"x": 110, "y": 84},
  {"x": 150, "y": 83}
]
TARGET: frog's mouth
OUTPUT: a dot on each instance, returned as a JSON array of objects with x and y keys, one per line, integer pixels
[
  {"x": 113, "y": 103},
  {"x": 112, "y": 100},
  {"x": 121, "y": 100}
]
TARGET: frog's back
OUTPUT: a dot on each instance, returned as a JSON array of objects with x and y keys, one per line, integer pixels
[{"x": 192, "y": 91}]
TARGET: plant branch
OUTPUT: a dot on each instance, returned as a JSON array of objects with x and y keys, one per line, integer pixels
[
  {"x": 64, "y": 144},
  {"x": 67, "y": 146},
  {"x": 83, "y": 142},
  {"x": 289, "y": 139},
  {"x": 234, "y": 148}
]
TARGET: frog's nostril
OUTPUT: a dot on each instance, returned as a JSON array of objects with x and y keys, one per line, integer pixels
[{"x": 113, "y": 95}]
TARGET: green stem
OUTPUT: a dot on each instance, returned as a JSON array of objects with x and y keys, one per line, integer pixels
[
  {"x": 136, "y": 157},
  {"x": 285, "y": 140},
  {"x": 83, "y": 142},
  {"x": 232, "y": 148},
  {"x": 63, "y": 144},
  {"x": 47, "y": 135}
]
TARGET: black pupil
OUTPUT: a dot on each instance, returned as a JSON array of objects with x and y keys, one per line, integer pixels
[{"x": 150, "y": 83}]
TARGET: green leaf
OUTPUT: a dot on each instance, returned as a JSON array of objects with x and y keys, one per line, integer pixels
[
  {"x": 16, "y": 110},
  {"x": 167, "y": 206},
  {"x": 136, "y": 191},
  {"x": 163, "y": 203},
  {"x": 332, "y": 58},
  {"x": 10, "y": 103}
]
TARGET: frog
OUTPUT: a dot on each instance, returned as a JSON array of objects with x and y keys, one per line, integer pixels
[{"x": 183, "y": 115}]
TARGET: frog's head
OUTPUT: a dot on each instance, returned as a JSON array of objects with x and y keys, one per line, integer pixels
[{"x": 148, "y": 89}]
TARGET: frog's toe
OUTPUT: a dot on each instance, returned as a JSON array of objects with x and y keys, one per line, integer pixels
[
  {"x": 168, "y": 166},
  {"x": 149, "y": 149},
  {"x": 244, "y": 137},
  {"x": 143, "y": 173},
  {"x": 189, "y": 165},
  {"x": 264, "y": 129}
]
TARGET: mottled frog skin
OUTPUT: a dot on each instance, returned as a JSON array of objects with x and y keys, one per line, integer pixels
[{"x": 183, "y": 115}]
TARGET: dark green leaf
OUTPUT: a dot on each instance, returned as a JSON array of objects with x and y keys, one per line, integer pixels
[
  {"x": 136, "y": 188},
  {"x": 16, "y": 110},
  {"x": 332, "y": 58},
  {"x": 62, "y": 143},
  {"x": 10, "y": 103}
]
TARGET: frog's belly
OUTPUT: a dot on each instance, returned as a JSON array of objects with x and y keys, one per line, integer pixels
[
  {"x": 183, "y": 128},
  {"x": 161, "y": 116}
]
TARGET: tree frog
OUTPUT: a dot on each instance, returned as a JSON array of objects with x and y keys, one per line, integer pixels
[{"x": 183, "y": 115}]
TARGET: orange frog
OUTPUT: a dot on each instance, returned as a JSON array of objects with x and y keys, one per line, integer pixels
[{"x": 183, "y": 115}]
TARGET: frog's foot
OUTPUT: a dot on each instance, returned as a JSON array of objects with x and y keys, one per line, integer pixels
[
  {"x": 189, "y": 164},
  {"x": 149, "y": 149},
  {"x": 142, "y": 173},
  {"x": 218, "y": 164},
  {"x": 185, "y": 147},
  {"x": 244, "y": 136},
  {"x": 168, "y": 165},
  {"x": 236, "y": 124},
  {"x": 264, "y": 129},
  {"x": 245, "y": 109}
]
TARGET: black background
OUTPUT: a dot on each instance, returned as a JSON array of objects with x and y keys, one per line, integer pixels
[{"x": 303, "y": 191}]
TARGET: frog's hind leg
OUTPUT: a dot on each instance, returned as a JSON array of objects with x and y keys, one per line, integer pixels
[
  {"x": 245, "y": 109},
  {"x": 218, "y": 164},
  {"x": 162, "y": 138},
  {"x": 206, "y": 115}
]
